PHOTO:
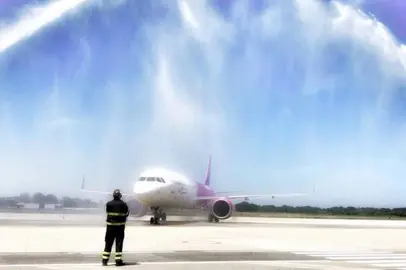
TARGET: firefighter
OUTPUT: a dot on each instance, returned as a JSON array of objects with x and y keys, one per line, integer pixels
[{"x": 117, "y": 213}]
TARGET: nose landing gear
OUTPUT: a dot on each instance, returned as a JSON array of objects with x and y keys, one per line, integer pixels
[
  {"x": 212, "y": 218},
  {"x": 159, "y": 216}
]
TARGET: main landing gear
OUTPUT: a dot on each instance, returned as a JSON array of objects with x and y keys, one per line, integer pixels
[
  {"x": 159, "y": 216},
  {"x": 212, "y": 218}
]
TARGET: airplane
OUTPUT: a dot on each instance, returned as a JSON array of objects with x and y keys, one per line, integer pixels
[{"x": 160, "y": 188}]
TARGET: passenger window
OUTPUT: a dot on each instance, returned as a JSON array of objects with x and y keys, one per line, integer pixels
[
  {"x": 150, "y": 179},
  {"x": 142, "y": 179},
  {"x": 163, "y": 181}
]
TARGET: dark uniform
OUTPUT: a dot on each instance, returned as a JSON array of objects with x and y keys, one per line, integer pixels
[{"x": 117, "y": 213}]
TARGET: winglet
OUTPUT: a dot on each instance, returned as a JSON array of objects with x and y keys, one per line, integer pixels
[
  {"x": 208, "y": 173},
  {"x": 82, "y": 187}
]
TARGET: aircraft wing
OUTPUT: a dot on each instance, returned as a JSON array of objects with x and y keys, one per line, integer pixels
[
  {"x": 82, "y": 188},
  {"x": 247, "y": 197}
]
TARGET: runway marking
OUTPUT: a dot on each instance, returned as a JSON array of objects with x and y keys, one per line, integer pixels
[
  {"x": 381, "y": 259},
  {"x": 338, "y": 252},
  {"x": 97, "y": 252},
  {"x": 158, "y": 263}
]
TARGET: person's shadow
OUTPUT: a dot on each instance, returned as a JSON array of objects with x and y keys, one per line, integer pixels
[
  {"x": 132, "y": 263},
  {"x": 126, "y": 264}
]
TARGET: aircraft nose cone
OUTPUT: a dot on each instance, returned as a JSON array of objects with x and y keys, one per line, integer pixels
[
  {"x": 142, "y": 188},
  {"x": 145, "y": 191}
]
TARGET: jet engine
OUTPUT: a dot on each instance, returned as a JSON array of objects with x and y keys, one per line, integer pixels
[
  {"x": 137, "y": 209},
  {"x": 221, "y": 208}
]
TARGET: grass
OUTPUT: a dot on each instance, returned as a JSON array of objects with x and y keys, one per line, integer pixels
[
  {"x": 290, "y": 215},
  {"x": 314, "y": 216}
]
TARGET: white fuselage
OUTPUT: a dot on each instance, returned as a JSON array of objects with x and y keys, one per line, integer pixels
[{"x": 161, "y": 188}]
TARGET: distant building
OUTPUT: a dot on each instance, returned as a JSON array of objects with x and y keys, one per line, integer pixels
[
  {"x": 7, "y": 202},
  {"x": 39, "y": 206},
  {"x": 20, "y": 205},
  {"x": 53, "y": 206},
  {"x": 30, "y": 206}
]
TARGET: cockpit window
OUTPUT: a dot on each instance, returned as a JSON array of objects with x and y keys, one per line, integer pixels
[{"x": 152, "y": 179}]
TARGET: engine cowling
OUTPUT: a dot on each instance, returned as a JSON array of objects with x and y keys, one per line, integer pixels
[
  {"x": 137, "y": 209},
  {"x": 221, "y": 208}
]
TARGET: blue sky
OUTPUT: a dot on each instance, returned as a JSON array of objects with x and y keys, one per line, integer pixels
[{"x": 282, "y": 94}]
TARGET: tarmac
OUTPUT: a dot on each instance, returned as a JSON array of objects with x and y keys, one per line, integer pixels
[{"x": 75, "y": 241}]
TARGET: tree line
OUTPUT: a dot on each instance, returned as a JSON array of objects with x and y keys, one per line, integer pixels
[
  {"x": 42, "y": 199},
  {"x": 65, "y": 201},
  {"x": 337, "y": 210}
]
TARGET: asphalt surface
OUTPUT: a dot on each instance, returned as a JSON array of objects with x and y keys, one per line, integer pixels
[
  {"x": 74, "y": 241},
  {"x": 197, "y": 259},
  {"x": 183, "y": 256},
  {"x": 95, "y": 217},
  {"x": 99, "y": 222}
]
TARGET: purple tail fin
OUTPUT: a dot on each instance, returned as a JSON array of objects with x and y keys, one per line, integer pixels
[{"x": 207, "y": 181}]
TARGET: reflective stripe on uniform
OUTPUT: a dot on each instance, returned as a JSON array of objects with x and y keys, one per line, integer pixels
[
  {"x": 116, "y": 214},
  {"x": 118, "y": 255},
  {"x": 115, "y": 223},
  {"x": 106, "y": 255}
]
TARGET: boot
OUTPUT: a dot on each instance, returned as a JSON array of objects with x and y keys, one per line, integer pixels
[
  {"x": 120, "y": 263},
  {"x": 104, "y": 262}
]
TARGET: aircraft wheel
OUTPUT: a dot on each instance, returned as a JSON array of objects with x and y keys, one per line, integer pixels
[
  {"x": 151, "y": 220},
  {"x": 216, "y": 220}
]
